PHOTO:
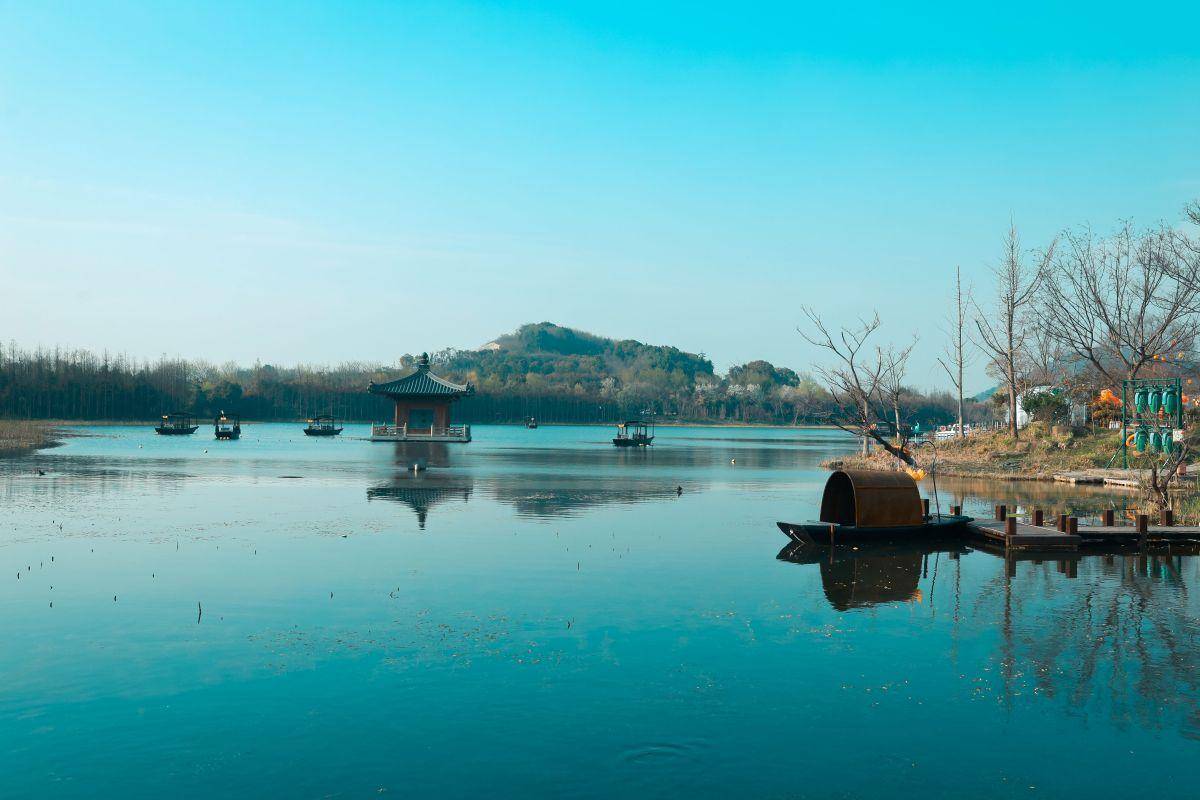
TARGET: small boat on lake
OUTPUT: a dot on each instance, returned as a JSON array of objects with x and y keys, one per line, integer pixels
[
  {"x": 531, "y": 423},
  {"x": 322, "y": 425},
  {"x": 177, "y": 423},
  {"x": 227, "y": 426},
  {"x": 868, "y": 506},
  {"x": 634, "y": 434}
]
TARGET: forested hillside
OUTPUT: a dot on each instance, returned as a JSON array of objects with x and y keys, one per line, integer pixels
[{"x": 541, "y": 370}]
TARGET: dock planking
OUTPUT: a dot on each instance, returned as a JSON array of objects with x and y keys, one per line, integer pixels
[
  {"x": 1024, "y": 536},
  {"x": 1127, "y": 533}
]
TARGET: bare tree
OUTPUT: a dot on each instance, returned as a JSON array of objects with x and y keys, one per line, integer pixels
[
  {"x": 1002, "y": 332},
  {"x": 891, "y": 380},
  {"x": 958, "y": 354},
  {"x": 1124, "y": 301},
  {"x": 853, "y": 381}
]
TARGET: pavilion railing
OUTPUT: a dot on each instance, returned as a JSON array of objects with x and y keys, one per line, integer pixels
[{"x": 405, "y": 432}]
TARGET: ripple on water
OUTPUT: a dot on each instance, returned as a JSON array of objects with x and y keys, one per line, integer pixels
[{"x": 664, "y": 753}]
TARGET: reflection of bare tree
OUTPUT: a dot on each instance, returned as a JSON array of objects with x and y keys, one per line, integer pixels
[{"x": 1120, "y": 636}]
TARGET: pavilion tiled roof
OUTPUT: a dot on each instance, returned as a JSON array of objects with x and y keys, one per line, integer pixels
[{"x": 421, "y": 383}]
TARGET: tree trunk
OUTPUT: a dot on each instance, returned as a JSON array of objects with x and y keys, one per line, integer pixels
[{"x": 961, "y": 434}]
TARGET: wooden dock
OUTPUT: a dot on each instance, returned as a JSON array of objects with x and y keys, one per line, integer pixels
[
  {"x": 1130, "y": 534},
  {"x": 1014, "y": 535}
]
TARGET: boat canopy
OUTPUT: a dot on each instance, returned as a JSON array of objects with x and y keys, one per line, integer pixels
[{"x": 867, "y": 499}]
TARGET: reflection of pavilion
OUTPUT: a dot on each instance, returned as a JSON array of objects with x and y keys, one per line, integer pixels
[{"x": 420, "y": 498}]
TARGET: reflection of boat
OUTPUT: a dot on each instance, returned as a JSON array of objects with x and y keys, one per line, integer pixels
[
  {"x": 322, "y": 425},
  {"x": 177, "y": 423},
  {"x": 634, "y": 434},
  {"x": 868, "y": 575},
  {"x": 860, "y": 505},
  {"x": 227, "y": 426}
]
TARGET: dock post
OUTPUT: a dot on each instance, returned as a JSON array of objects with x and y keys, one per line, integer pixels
[
  {"x": 1073, "y": 525},
  {"x": 1166, "y": 518},
  {"x": 1039, "y": 517},
  {"x": 1141, "y": 523},
  {"x": 1106, "y": 519},
  {"x": 1010, "y": 526},
  {"x": 1072, "y": 569},
  {"x": 955, "y": 511},
  {"x": 1001, "y": 512},
  {"x": 1062, "y": 523}
]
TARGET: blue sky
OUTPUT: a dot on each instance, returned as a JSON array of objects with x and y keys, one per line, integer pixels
[{"x": 321, "y": 182}]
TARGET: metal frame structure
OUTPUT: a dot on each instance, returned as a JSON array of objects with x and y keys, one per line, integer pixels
[{"x": 1132, "y": 419}]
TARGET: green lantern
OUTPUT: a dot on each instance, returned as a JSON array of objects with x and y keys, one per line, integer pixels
[
  {"x": 1141, "y": 439},
  {"x": 1155, "y": 400},
  {"x": 1139, "y": 401},
  {"x": 1171, "y": 400},
  {"x": 1156, "y": 441},
  {"x": 1168, "y": 442}
]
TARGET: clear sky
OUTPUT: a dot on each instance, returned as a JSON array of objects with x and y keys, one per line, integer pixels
[{"x": 320, "y": 182}]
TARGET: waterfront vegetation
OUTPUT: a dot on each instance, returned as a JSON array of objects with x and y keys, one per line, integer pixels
[
  {"x": 547, "y": 371},
  {"x": 18, "y": 437},
  {"x": 1061, "y": 329}
]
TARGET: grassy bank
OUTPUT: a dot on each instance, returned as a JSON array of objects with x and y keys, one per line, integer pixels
[
  {"x": 1037, "y": 455},
  {"x": 20, "y": 437}
]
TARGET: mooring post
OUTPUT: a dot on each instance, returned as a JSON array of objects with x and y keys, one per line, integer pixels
[
  {"x": 1167, "y": 518},
  {"x": 1106, "y": 519},
  {"x": 1073, "y": 526},
  {"x": 1141, "y": 523},
  {"x": 955, "y": 511},
  {"x": 1001, "y": 512},
  {"x": 1039, "y": 517},
  {"x": 1010, "y": 526},
  {"x": 1062, "y": 523}
]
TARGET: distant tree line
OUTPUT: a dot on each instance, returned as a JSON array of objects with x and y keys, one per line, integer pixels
[{"x": 545, "y": 371}]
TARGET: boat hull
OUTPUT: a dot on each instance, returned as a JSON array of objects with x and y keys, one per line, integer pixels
[
  {"x": 829, "y": 533},
  {"x": 322, "y": 432},
  {"x": 177, "y": 431},
  {"x": 633, "y": 442}
]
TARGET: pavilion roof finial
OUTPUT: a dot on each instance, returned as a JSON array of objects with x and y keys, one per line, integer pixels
[{"x": 423, "y": 362}]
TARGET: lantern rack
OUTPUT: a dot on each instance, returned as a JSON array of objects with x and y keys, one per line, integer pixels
[{"x": 1151, "y": 416}]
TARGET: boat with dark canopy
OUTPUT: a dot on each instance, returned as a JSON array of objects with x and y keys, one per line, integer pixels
[
  {"x": 177, "y": 423},
  {"x": 634, "y": 434},
  {"x": 322, "y": 425},
  {"x": 227, "y": 426},
  {"x": 869, "y": 506}
]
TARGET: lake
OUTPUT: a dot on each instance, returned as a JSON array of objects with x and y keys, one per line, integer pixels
[{"x": 542, "y": 614}]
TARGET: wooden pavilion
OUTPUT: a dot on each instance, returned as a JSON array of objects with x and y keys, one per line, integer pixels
[{"x": 423, "y": 403}]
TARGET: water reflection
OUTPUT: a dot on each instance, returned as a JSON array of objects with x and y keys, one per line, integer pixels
[
  {"x": 421, "y": 499},
  {"x": 1117, "y": 630},
  {"x": 854, "y": 577},
  {"x": 547, "y": 497}
]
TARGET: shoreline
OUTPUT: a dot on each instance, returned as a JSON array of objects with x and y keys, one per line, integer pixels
[{"x": 20, "y": 438}]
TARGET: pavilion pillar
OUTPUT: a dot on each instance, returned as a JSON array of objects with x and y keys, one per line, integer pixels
[{"x": 401, "y": 413}]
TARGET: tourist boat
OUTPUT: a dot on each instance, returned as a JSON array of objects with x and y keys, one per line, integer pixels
[
  {"x": 868, "y": 506},
  {"x": 177, "y": 423},
  {"x": 227, "y": 426},
  {"x": 634, "y": 434},
  {"x": 322, "y": 425}
]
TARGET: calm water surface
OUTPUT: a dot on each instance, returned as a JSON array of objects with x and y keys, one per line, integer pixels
[{"x": 540, "y": 613}]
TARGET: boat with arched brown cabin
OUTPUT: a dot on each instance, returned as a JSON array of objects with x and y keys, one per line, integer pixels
[{"x": 865, "y": 505}]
